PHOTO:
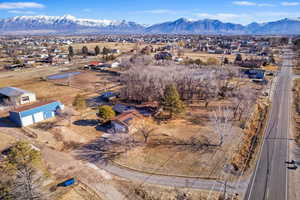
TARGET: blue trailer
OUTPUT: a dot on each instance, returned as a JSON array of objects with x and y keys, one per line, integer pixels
[{"x": 67, "y": 183}]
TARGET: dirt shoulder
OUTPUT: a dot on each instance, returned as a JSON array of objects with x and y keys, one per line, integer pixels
[{"x": 294, "y": 148}]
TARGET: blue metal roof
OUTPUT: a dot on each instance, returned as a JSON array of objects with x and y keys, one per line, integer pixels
[{"x": 12, "y": 91}]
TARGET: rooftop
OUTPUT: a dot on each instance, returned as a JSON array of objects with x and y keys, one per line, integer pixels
[
  {"x": 127, "y": 116},
  {"x": 12, "y": 91},
  {"x": 31, "y": 106}
]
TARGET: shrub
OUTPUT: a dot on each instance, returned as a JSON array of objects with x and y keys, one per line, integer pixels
[
  {"x": 79, "y": 102},
  {"x": 106, "y": 112}
]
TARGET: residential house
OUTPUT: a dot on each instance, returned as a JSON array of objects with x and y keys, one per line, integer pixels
[
  {"x": 122, "y": 123},
  {"x": 34, "y": 113},
  {"x": 16, "y": 96}
]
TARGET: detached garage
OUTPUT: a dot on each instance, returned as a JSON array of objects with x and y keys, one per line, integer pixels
[{"x": 34, "y": 113}]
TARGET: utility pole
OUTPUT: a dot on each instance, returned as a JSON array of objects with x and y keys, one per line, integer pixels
[{"x": 225, "y": 190}]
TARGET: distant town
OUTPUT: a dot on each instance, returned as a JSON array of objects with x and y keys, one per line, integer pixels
[{"x": 157, "y": 116}]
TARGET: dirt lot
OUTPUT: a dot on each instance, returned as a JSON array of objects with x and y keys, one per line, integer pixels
[
  {"x": 89, "y": 81},
  {"x": 6, "y": 141},
  {"x": 79, "y": 193},
  {"x": 205, "y": 56},
  {"x": 86, "y": 83},
  {"x": 135, "y": 191},
  {"x": 207, "y": 162}
]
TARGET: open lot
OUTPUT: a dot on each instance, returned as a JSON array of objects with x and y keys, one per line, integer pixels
[
  {"x": 123, "y": 47},
  {"x": 180, "y": 160}
]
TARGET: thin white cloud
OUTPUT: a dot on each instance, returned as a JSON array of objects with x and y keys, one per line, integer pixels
[
  {"x": 20, "y": 5},
  {"x": 22, "y": 12},
  {"x": 244, "y": 3},
  {"x": 158, "y": 11},
  {"x": 246, "y": 18},
  {"x": 87, "y": 10},
  {"x": 286, "y": 3},
  {"x": 219, "y": 16},
  {"x": 250, "y": 3}
]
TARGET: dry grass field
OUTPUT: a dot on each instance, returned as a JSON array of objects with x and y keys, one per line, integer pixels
[
  {"x": 296, "y": 112},
  {"x": 89, "y": 81},
  {"x": 123, "y": 47},
  {"x": 6, "y": 141},
  {"x": 78, "y": 193},
  {"x": 177, "y": 160},
  {"x": 136, "y": 192},
  {"x": 85, "y": 83},
  {"x": 43, "y": 89},
  {"x": 205, "y": 56},
  {"x": 271, "y": 68}
]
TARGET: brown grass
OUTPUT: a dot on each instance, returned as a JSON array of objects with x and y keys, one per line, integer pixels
[
  {"x": 123, "y": 47},
  {"x": 296, "y": 113},
  {"x": 6, "y": 141},
  {"x": 154, "y": 192},
  {"x": 177, "y": 160}
]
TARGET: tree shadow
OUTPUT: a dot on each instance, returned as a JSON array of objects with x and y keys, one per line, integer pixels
[
  {"x": 86, "y": 122},
  {"x": 199, "y": 145},
  {"x": 106, "y": 149}
]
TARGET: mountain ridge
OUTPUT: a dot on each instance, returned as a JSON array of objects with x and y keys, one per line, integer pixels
[{"x": 68, "y": 24}]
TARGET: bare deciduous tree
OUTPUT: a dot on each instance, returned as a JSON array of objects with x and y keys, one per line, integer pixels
[
  {"x": 144, "y": 127},
  {"x": 66, "y": 114},
  {"x": 221, "y": 122},
  {"x": 147, "y": 83},
  {"x": 27, "y": 184}
]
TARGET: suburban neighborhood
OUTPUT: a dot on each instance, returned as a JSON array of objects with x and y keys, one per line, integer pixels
[{"x": 191, "y": 109}]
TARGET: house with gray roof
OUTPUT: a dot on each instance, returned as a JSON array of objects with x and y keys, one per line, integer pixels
[{"x": 16, "y": 96}]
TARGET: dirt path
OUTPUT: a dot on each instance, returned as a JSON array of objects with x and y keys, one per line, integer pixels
[
  {"x": 294, "y": 154},
  {"x": 63, "y": 165}
]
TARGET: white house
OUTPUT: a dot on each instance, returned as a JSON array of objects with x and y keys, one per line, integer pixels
[{"x": 16, "y": 96}]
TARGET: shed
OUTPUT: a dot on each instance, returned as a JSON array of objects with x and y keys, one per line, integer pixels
[
  {"x": 33, "y": 113},
  {"x": 16, "y": 96}
]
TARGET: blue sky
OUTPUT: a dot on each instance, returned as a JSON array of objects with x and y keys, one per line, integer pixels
[{"x": 155, "y": 11}]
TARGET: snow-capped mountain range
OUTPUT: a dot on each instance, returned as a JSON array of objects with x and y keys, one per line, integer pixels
[
  {"x": 65, "y": 24},
  {"x": 68, "y": 24}
]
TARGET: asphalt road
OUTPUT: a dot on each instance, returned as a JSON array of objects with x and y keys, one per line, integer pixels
[
  {"x": 182, "y": 182},
  {"x": 270, "y": 178}
]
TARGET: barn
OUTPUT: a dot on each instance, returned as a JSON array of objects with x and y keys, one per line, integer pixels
[
  {"x": 33, "y": 113},
  {"x": 16, "y": 96}
]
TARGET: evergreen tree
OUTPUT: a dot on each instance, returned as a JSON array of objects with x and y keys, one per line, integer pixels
[
  {"x": 226, "y": 61},
  {"x": 97, "y": 50},
  {"x": 105, "y": 51},
  {"x": 85, "y": 50},
  {"x": 71, "y": 52},
  {"x": 79, "y": 102},
  {"x": 199, "y": 62},
  {"x": 238, "y": 58},
  {"x": 171, "y": 101}
]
